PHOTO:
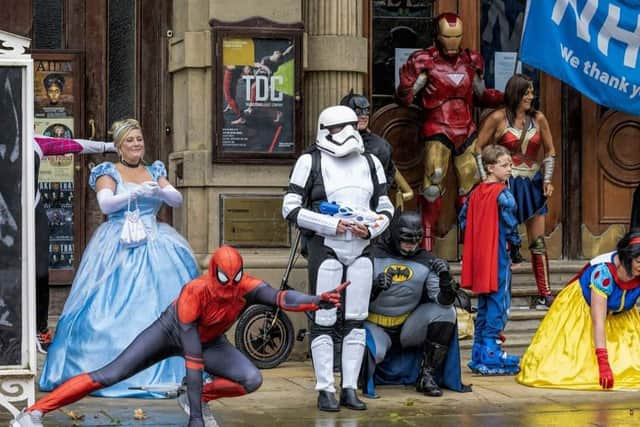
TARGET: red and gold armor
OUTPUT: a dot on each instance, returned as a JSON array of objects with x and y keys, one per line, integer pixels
[
  {"x": 445, "y": 78},
  {"x": 524, "y": 155}
]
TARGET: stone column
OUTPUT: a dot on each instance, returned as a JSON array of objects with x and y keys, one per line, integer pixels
[
  {"x": 190, "y": 68},
  {"x": 336, "y": 55}
]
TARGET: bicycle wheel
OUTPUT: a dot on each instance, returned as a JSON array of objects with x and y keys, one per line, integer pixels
[{"x": 267, "y": 343}]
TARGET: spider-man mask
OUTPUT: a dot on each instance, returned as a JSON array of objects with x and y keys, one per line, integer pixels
[{"x": 225, "y": 269}]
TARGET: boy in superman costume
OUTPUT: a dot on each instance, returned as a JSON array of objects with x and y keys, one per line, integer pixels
[{"x": 491, "y": 242}]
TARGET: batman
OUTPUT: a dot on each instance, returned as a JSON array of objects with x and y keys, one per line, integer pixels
[{"x": 411, "y": 328}]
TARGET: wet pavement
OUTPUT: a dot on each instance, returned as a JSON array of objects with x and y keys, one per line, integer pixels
[{"x": 287, "y": 398}]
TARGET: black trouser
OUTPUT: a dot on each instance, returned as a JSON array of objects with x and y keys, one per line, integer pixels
[{"x": 42, "y": 268}]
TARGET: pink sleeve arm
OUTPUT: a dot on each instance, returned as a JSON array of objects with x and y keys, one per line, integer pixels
[{"x": 55, "y": 146}]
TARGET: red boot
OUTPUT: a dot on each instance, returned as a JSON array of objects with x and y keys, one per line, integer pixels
[
  {"x": 430, "y": 212},
  {"x": 540, "y": 266}
]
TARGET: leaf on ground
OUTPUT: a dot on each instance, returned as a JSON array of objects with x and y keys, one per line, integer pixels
[
  {"x": 74, "y": 415},
  {"x": 139, "y": 414}
]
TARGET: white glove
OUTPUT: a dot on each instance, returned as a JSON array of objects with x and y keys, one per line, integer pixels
[
  {"x": 110, "y": 203},
  {"x": 110, "y": 147},
  {"x": 149, "y": 189},
  {"x": 170, "y": 196}
]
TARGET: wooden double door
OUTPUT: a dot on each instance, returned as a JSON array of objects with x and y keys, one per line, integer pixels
[
  {"x": 123, "y": 49},
  {"x": 610, "y": 157}
]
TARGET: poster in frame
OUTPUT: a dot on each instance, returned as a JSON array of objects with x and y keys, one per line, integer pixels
[
  {"x": 257, "y": 67},
  {"x": 57, "y": 84}
]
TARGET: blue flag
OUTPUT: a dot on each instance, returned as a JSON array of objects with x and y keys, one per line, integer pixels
[{"x": 593, "y": 45}]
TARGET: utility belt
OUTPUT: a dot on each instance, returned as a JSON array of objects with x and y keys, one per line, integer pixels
[{"x": 387, "y": 321}]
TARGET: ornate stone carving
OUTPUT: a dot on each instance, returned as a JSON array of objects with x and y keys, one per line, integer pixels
[
  {"x": 16, "y": 389},
  {"x": 12, "y": 45}
]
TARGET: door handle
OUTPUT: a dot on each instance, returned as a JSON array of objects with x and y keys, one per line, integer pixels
[{"x": 92, "y": 128}]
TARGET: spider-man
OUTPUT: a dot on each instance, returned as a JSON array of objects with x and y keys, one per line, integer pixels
[{"x": 193, "y": 326}]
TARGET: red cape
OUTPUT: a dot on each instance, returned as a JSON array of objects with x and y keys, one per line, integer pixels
[{"x": 480, "y": 252}]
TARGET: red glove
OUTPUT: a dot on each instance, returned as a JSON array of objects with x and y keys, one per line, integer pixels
[
  {"x": 331, "y": 299},
  {"x": 606, "y": 374}
]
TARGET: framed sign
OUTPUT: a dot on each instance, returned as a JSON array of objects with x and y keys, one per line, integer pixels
[
  {"x": 57, "y": 88},
  {"x": 58, "y": 111},
  {"x": 253, "y": 220},
  {"x": 257, "y": 75},
  {"x": 17, "y": 240}
]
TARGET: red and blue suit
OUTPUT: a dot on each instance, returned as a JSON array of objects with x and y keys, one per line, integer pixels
[
  {"x": 193, "y": 327},
  {"x": 488, "y": 219}
]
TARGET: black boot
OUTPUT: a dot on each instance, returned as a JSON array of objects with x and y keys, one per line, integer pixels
[
  {"x": 432, "y": 361},
  {"x": 426, "y": 384},
  {"x": 327, "y": 401},
  {"x": 349, "y": 399}
]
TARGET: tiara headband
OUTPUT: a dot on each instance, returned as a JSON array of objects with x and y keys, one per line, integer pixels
[{"x": 123, "y": 129}]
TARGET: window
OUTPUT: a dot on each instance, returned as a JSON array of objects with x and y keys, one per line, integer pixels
[
  {"x": 399, "y": 28},
  {"x": 501, "y": 28}
]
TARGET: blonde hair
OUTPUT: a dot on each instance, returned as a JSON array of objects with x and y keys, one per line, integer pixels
[
  {"x": 491, "y": 153},
  {"x": 121, "y": 128}
]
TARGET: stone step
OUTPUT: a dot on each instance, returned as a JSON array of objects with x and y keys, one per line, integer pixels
[{"x": 555, "y": 266}]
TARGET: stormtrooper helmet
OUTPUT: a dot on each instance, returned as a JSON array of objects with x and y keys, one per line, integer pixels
[{"x": 338, "y": 132}]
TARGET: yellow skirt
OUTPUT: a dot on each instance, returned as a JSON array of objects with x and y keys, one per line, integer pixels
[{"x": 562, "y": 353}]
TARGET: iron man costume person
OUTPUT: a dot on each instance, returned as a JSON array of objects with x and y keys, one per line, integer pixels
[
  {"x": 336, "y": 170},
  {"x": 445, "y": 79},
  {"x": 193, "y": 327}
]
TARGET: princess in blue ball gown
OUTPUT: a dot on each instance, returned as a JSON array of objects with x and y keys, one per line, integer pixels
[{"x": 120, "y": 289}]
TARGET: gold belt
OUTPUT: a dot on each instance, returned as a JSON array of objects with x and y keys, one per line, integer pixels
[{"x": 387, "y": 321}]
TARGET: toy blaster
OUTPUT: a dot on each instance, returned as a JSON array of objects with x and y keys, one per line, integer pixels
[
  {"x": 360, "y": 216},
  {"x": 169, "y": 390}
]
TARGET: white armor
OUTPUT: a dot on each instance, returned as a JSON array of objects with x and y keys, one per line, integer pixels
[
  {"x": 347, "y": 181},
  {"x": 344, "y": 142}
]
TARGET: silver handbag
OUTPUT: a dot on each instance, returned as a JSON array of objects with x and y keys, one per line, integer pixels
[{"x": 133, "y": 233}]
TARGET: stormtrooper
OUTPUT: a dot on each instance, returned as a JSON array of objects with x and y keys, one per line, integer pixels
[{"x": 336, "y": 171}]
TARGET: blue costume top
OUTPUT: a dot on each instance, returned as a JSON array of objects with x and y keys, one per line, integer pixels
[
  {"x": 600, "y": 276},
  {"x": 117, "y": 292}
]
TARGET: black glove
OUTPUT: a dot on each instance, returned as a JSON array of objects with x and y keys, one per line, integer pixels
[
  {"x": 382, "y": 282},
  {"x": 514, "y": 253},
  {"x": 438, "y": 265},
  {"x": 448, "y": 288}
]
